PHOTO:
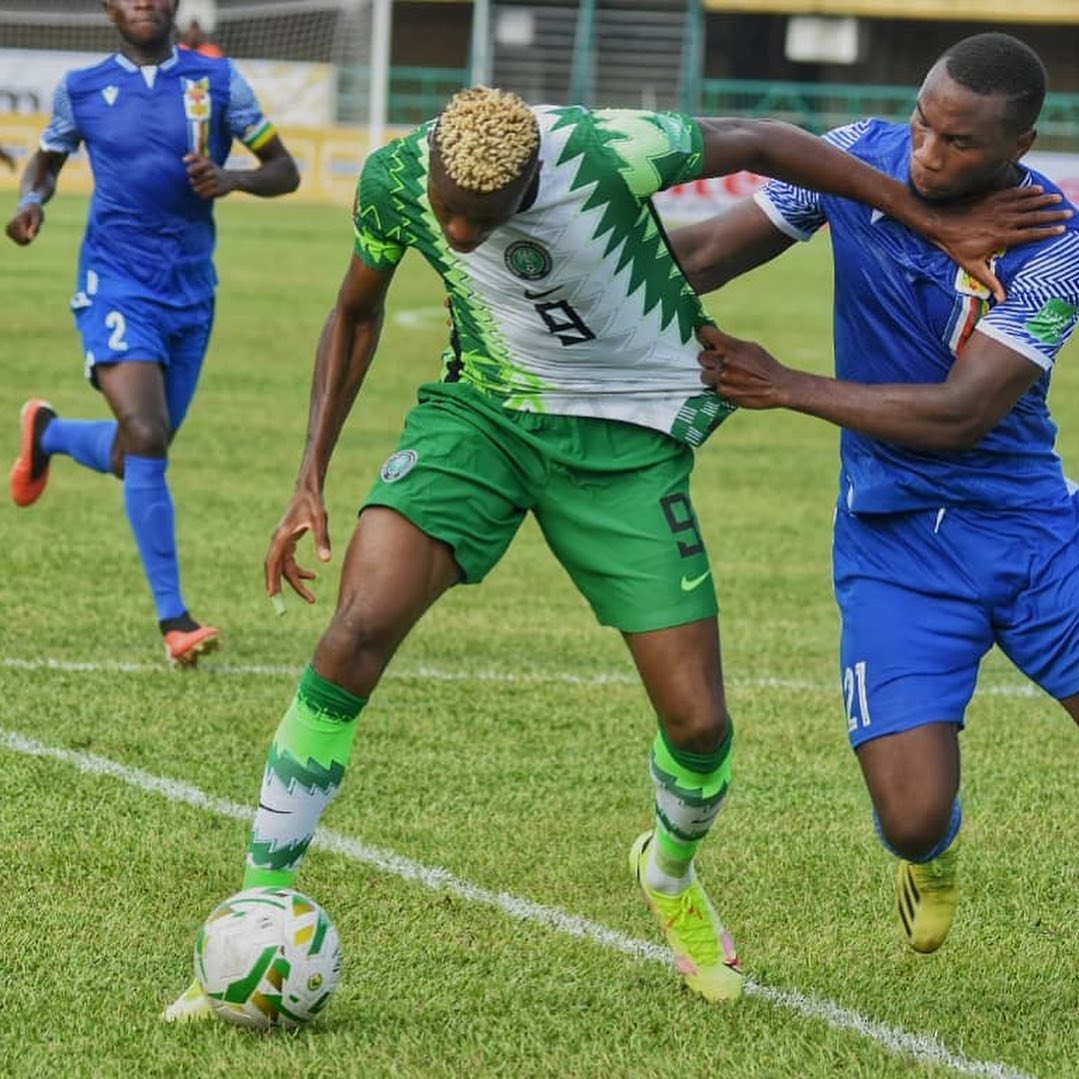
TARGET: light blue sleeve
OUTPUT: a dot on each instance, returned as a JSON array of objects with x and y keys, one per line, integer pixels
[
  {"x": 244, "y": 118},
  {"x": 1042, "y": 308},
  {"x": 797, "y": 211},
  {"x": 62, "y": 136}
]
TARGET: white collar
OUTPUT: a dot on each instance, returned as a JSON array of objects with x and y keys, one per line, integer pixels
[{"x": 129, "y": 66}]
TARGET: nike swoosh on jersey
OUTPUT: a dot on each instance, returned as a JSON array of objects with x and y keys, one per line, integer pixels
[{"x": 689, "y": 583}]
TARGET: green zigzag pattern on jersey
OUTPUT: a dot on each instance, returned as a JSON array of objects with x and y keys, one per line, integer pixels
[
  {"x": 488, "y": 362},
  {"x": 642, "y": 244}
]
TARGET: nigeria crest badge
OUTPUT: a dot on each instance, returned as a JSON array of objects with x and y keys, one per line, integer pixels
[{"x": 528, "y": 260}]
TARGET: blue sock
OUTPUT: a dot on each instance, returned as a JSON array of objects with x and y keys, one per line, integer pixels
[
  {"x": 88, "y": 441},
  {"x": 149, "y": 509},
  {"x": 955, "y": 822}
]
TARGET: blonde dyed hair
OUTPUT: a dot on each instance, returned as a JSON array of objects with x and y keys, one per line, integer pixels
[{"x": 485, "y": 138}]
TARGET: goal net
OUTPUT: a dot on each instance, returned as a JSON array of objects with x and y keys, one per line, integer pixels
[{"x": 318, "y": 31}]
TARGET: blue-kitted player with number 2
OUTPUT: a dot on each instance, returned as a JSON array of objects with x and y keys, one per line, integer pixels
[{"x": 157, "y": 123}]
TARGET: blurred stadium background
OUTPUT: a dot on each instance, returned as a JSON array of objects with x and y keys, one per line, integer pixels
[
  {"x": 526, "y": 715},
  {"x": 340, "y": 75}
]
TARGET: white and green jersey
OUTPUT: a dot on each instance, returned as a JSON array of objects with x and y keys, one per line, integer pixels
[{"x": 576, "y": 306}]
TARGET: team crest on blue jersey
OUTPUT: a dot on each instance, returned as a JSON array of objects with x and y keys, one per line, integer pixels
[
  {"x": 528, "y": 260},
  {"x": 398, "y": 465},
  {"x": 197, "y": 109},
  {"x": 970, "y": 286}
]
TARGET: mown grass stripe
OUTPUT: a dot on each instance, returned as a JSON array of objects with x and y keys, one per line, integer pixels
[
  {"x": 438, "y": 674},
  {"x": 922, "y": 1047}
]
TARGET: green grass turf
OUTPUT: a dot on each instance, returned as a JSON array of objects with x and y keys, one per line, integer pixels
[{"x": 508, "y": 745}]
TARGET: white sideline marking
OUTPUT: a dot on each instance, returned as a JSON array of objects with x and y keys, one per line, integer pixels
[
  {"x": 438, "y": 674},
  {"x": 923, "y": 1047}
]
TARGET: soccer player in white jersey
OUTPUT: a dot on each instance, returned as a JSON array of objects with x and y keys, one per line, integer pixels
[
  {"x": 158, "y": 124},
  {"x": 570, "y": 389},
  {"x": 956, "y": 528}
]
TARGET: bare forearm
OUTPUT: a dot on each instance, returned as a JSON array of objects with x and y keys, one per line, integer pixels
[
  {"x": 780, "y": 150},
  {"x": 344, "y": 355},
  {"x": 39, "y": 176},
  {"x": 271, "y": 178},
  {"x": 926, "y": 417},
  {"x": 724, "y": 247}
]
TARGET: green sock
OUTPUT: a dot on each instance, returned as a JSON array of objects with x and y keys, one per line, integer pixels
[
  {"x": 690, "y": 790},
  {"x": 304, "y": 770}
]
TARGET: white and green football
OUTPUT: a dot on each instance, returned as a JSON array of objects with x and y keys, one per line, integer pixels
[{"x": 268, "y": 957}]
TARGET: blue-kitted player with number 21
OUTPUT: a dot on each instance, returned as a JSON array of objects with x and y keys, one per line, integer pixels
[{"x": 158, "y": 123}]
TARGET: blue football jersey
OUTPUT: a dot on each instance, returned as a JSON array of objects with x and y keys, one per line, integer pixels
[
  {"x": 903, "y": 312},
  {"x": 148, "y": 233}
]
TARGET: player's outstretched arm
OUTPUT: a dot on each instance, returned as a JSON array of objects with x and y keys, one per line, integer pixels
[
  {"x": 982, "y": 386},
  {"x": 37, "y": 187},
  {"x": 7, "y": 159},
  {"x": 345, "y": 350},
  {"x": 721, "y": 248},
  {"x": 968, "y": 234},
  {"x": 276, "y": 174}
]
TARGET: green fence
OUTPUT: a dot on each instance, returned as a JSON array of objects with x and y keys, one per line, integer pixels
[
  {"x": 417, "y": 93},
  {"x": 822, "y": 106}
]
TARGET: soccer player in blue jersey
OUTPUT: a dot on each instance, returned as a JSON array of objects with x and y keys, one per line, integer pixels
[
  {"x": 158, "y": 123},
  {"x": 955, "y": 528}
]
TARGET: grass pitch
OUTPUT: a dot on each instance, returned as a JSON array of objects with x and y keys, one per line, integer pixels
[{"x": 508, "y": 746}]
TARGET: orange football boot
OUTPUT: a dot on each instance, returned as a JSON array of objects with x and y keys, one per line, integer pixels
[
  {"x": 30, "y": 473},
  {"x": 183, "y": 647}
]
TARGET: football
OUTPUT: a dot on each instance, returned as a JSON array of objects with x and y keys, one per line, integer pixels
[{"x": 268, "y": 957}]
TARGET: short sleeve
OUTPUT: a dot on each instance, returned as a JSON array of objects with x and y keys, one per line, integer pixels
[
  {"x": 371, "y": 217},
  {"x": 62, "y": 136},
  {"x": 655, "y": 150},
  {"x": 245, "y": 118},
  {"x": 797, "y": 211},
  {"x": 1039, "y": 315}
]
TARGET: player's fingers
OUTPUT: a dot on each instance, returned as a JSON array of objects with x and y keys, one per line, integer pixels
[
  {"x": 980, "y": 271},
  {"x": 1022, "y": 233},
  {"x": 1033, "y": 193},
  {"x": 717, "y": 340},
  {"x": 320, "y": 533},
  {"x": 271, "y": 570},
  {"x": 1022, "y": 218},
  {"x": 296, "y": 575}
]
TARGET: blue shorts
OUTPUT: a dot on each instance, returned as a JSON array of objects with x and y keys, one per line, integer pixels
[
  {"x": 925, "y": 595},
  {"x": 118, "y": 327}
]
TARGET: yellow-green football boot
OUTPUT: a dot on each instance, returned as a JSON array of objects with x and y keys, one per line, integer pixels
[
  {"x": 925, "y": 897},
  {"x": 703, "y": 950},
  {"x": 191, "y": 1006}
]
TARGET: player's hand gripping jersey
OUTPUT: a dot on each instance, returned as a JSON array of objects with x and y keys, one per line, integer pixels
[
  {"x": 903, "y": 312},
  {"x": 575, "y": 306},
  {"x": 148, "y": 233}
]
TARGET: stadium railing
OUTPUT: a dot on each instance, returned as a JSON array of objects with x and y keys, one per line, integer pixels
[{"x": 823, "y": 106}]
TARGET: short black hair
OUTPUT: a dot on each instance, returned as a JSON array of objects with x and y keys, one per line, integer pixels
[{"x": 995, "y": 63}]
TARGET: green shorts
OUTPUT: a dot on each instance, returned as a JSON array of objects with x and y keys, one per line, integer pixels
[{"x": 611, "y": 498}]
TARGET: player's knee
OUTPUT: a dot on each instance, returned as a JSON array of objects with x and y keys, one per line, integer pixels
[
  {"x": 697, "y": 730},
  {"x": 355, "y": 639},
  {"x": 143, "y": 436},
  {"x": 913, "y": 831}
]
